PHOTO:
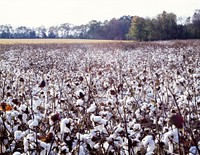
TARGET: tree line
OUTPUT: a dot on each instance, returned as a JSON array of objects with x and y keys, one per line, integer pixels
[{"x": 164, "y": 26}]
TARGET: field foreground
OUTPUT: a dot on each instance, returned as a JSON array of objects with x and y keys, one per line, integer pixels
[{"x": 111, "y": 98}]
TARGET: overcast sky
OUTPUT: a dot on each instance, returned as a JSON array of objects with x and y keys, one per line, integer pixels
[{"x": 35, "y": 13}]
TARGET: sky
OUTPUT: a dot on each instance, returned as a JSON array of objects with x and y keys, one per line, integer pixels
[{"x": 34, "y": 13}]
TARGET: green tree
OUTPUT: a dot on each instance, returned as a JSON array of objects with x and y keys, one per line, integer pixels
[
  {"x": 138, "y": 29},
  {"x": 167, "y": 26}
]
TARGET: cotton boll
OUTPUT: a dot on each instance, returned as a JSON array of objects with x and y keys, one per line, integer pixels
[
  {"x": 14, "y": 114},
  {"x": 24, "y": 118},
  {"x": 119, "y": 129},
  {"x": 149, "y": 153},
  {"x": 105, "y": 84},
  {"x": 65, "y": 149},
  {"x": 46, "y": 146},
  {"x": 8, "y": 127},
  {"x": 169, "y": 138},
  {"x": 193, "y": 150},
  {"x": 111, "y": 138},
  {"x": 65, "y": 130},
  {"x": 82, "y": 150},
  {"x": 171, "y": 147},
  {"x": 35, "y": 91},
  {"x": 144, "y": 106},
  {"x": 137, "y": 126},
  {"x": 130, "y": 101},
  {"x": 83, "y": 137},
  {"x": 118, "y": 140},
  {"x": 149, "y": 143},
  {"x": 92, "y": 108},
  {"x": 95, "y": 118},
  {"x": 170, "y": 135},
  {"x": 1, "y": 120},
  {"x": 79, "y": 102},
  {"x": 161, "y": 121},
  {"x": 63, "y": 125},
  {"x": 9, "y": 117},
  {"x": 33, "y": 123},
  {"x": 111, "y": 102},
  {"x": 80, "y": 93},
  {"x": 22, "y": 107},
  {"x": 43, "y": 152},
  {"x": 106, "y": 145},
  {"x": 98, "y": 119},
  {"x": 137, "y": 146},
  {"x": 36, "y": 103},
  {"x": 18, "y": 135},
  {"x": 26, "y": 144},
  {"x": 109, "y": 115},
  {"x": 30, "y": 137},
  {"x": 103, "y": 113},
  {"x": 47, "y": 107},
  {"x": 121, "y": 110},
  {"x": 15, "y": 128},
  {"x": 16, "y": 153},
  {"x": 97, "y": 146},
  {"x": 138, "y": 113},
  {"x": 106, "y": 114}
]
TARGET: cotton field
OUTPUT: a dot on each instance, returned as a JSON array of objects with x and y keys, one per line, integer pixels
[{"x": 100, "y": 99}]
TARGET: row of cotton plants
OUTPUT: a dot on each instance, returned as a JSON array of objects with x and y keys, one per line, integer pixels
[{"x": 115, "y": 99}]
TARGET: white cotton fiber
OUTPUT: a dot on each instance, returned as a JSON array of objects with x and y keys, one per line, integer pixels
[
  {"x": 92, "y": 108},
  {"x": 18, "y": 135}
]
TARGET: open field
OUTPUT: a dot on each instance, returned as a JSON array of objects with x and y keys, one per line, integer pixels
[
  {"x": 55, "y": 41},
  {"x": 124, "y": 98}
]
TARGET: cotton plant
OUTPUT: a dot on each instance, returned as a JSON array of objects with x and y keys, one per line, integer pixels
[
  {"x": 65, "y": 125},
  {"x": 64, "y": 150},
  {"x": 193, "y": 150},
  {"x": 106, "y": 114},
  {"x": 149, "y": 142},
  {"x": 18, "y": 135},
  {"x": 29, "y": 142},
  {"x": 108, "y": 97},
  {"x": 34, "y": 122},
  {"x": 92, "y": 108},
  {"x": 170, "y": 138},
  {"x": 98, "y": 120}
]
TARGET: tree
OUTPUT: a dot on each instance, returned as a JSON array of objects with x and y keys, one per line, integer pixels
[
  {"x": 41, "y": 32},
  {"x": 64, "y": 30},
  {"x": 80, "y": 31},
  {"x": 6, "y": 31},
  {"x": 167, "y": 25},
  {"x": 138, "y": 29},
  {"x": 117, "y": 28},
  {"x": 196, "y": 23},
  {"x": 21, "y": 32},
  {"x": 53, "y": 32},
  {"x": 95, "y": 30},
  {"x": 152, "y": 27}
]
